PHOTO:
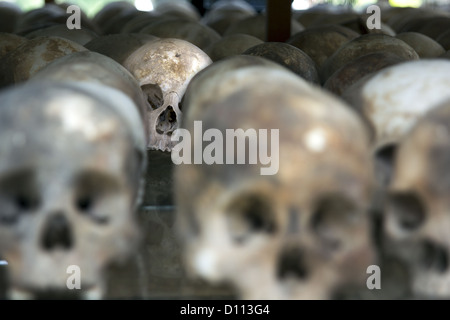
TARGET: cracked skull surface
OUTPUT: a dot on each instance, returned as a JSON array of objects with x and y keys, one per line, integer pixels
[
  {"x": 302, "y": 233},
  {"x": 164, "y": 68},
  {"x": 70, "y": 171}
]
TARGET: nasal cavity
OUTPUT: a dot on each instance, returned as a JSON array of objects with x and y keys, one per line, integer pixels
[
  {"x": 434, "y": 257},
  {"x": 57, "y": 233},
  {"x": 167, "y": 121},
  {"x": 291, "y": 264}
]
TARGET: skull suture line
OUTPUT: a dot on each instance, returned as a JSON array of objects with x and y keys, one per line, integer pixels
[
  {"x": 70, "y": 171},
  {"x": 164, "y": 68},
  {"x": 300, "y": 234}
]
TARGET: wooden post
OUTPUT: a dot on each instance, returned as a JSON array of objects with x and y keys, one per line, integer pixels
[{"x": 278, "y": 20}]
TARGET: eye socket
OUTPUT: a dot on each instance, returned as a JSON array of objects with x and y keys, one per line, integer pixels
[
  {"x": 407, "y": 210},
  {"x": 154, "y": 95},
  {"x": 95, "y": 195},
  {"x": 250, "y": 214},
  {"x": 18, "y": 196},
  {"x": 26, "y": 201},
  {"x": 333, "y": 216},
  {"x": 384, "y": 162},
  {"x": 84, "y": 203}
]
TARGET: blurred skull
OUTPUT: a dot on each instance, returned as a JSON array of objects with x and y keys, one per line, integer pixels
[
  {"x": 164, "y": 68},
  {"x": 70, "y": 179},
  {"x": 393, "y": 99},
  {"x": 302, "y": 233},
  {"x": 28, "y": 58},
  {"x": 417, "y": 217}
]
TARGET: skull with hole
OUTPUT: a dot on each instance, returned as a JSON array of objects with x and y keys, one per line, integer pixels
[
  {"x": 393, "y": 99},
  {"x": 164, "y": 68},
  {"x": 417, "y": 215},
  {"x": 299, "y": 232},
  {"x": 68, "y": 190}
]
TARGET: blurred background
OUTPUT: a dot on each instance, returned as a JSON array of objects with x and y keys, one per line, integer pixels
[{"x": 92, "y": 7}]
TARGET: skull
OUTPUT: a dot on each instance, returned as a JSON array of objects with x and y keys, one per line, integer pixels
[
  {"x": 9, "y": 41},
  {"x": 417, "y": 214},
  {"x": 288, "y": 56},
  {"x": 212, "y": 74},
  {"x": 231, "y": 45},
  {"x": 87, "y": 66},
  {"x": 68, "y": 190},
  {"x": 393, "y": 99},
  {"x": 321, "y": 42},
  {"x": 194, "y": 32},
  {"x": 222, "y": 14},
  {"x": 20, "y": 64},
  {"x": 422, "y": 44},
  {"x": 9, "y": 14},
  {"x": 302, "y": 233},
  {"x": 118, "y": 46},
  {"x": 80, "y": 36},
  {"x": 164, "y": 68},
  {"x": 363, "y": 45},
  {"x": 357, "y": 69}
]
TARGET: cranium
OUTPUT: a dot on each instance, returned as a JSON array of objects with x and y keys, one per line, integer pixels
[
  {"x": 177, "y": 9},
  {"x": 46, "y": 15},
  {"x": 363, "y": 45},
  {"x": 9, "y": 14},
  {"x": 357, "y": 69},
  {"x": 231, "y": 45},
  {"x": 321, "y": 42},
  {"x": 302, "y": 233},
  {"x": 194, "y": 32},
  {"x": 288, "y": 56},
  {"x": 163, "y": 69},
  {"x": 222, "y": 14},
  {"x": 422, "y": 44},
  {"x": 417, "y": 215},
  {"x": 69, "y": 189},
  {"x": 394, "y": 98},
  {"x": 24, "y": 61},
  {"x": 93, "y": 67},
  {"x": 9, "y": 41},
  {"x": 118, "y": 46},
  {"x": 213, "y": 73},
  {"x": 80, "y": 36}
]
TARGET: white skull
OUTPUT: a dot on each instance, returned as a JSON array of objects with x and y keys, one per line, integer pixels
[
  {"x": 93, "y": 67},
  {"x": 302, "y": 233},
  {"x": 417, "y": 215},
  {"x": 163, "y": 69},
  {"x": 393, "y": 99},
  {"x": 70, "y": 180}
]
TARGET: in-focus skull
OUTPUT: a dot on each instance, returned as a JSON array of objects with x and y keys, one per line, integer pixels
[
  {"x": 301, "y": 233},
  {"x": 417, "y": 215},
  {"x": 164, "y": 68},
  {"x": 70, "y": 179}
]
